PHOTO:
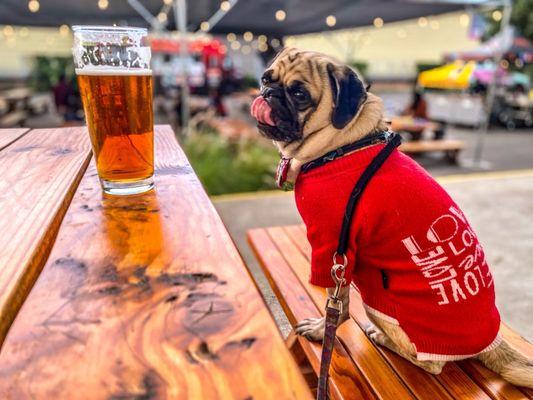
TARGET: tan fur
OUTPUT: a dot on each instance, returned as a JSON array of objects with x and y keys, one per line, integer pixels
[{"x": 320, "y": 137}]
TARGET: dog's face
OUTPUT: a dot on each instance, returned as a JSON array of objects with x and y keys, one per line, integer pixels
[{"x": 303, "y": 92}]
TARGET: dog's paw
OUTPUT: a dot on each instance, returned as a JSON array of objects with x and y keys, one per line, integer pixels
[
  {"x": 311, "y": 328},
  {"x": 376, "y": 335}
]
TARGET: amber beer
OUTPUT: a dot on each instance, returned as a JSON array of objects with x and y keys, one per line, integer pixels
[
  {"x": 115, "y": 80},
  {"x": 118, "y": 110}
]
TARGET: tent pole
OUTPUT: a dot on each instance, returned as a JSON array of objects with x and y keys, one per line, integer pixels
[
  {"x": 180, "y": 16},
  {"x": 491, "y": 90}
]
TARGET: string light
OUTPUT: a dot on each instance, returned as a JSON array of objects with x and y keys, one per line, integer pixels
[
  {"x": 24, "y": 32},
  {"x": 248, "y": 36},
  {"x": 64, "y": 30},
  {"x": 162, "y": 17},
  {"x": 103, "y": 4},
  {"x": 434, "y": 24},
  {"x": 331, "y": 20},
  {"x": 8, "y": 30},
  {"x": 246, "y": 49},
  {"x": 33, "y": 6},
  {"x": 464, "y": 20},
  {"x": 225, "y": 6},
  {"x": 275, "y": 42},
  {"x": 422, "y": 22},
  {"x": 378, "y": 22},
  {"x": 504, "y": 64},
  {"x": 497, "y": 15},
  {"x": 204, "y": 26},
  {"x": 231, "y": 37},
  {"x": 167, "y": 2},
  {"x": 262, "y": 39},
  {"x": 281, "y": 15},
  {"x": 235, "y": 45},
  {"x": 262, "y": 47}
]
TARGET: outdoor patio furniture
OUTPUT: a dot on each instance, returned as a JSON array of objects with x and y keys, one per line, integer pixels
[
  {"x": 450, "y": 147},
  {"x": 360, "y": 369},
  {"x": 135, "y": 297}
]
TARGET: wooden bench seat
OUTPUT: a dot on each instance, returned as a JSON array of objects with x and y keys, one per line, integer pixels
[
  {"x": 361, "y": 370},
  {"x": 450, "y": 147}
]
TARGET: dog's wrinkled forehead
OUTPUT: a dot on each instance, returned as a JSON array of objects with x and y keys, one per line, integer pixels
[{"x": 292, "y": 64}]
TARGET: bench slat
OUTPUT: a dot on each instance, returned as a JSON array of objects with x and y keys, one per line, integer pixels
[
  {"x": 454, "y": 380},
  {"x": 40, "y": 173},
  {"x": 346, "y": 381},
  {"x": 376, "y": 371},
  {"x": 421, "y": 146},
  {"x": 8, "y": 136},
  {"x": 146, "y": 297}
]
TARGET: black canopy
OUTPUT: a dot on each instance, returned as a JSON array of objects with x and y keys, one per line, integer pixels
[{"x": 258, "y": 16}]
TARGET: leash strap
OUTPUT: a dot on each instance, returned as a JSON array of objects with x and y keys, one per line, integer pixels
[{"x": 334, "y": 303}]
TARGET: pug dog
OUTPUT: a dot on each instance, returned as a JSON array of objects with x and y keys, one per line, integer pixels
[{"x": 413, "y": 256}]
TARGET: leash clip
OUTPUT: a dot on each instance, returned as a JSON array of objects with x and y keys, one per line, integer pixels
[{"x": 337, "y": 274}]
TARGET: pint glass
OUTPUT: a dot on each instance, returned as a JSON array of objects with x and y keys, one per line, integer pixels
[{"x": 115, "y": 81}]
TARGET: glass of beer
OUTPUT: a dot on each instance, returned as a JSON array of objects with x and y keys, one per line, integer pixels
[{"x": 115, "y": 81}]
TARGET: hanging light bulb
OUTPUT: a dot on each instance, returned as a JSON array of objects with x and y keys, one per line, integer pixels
[
  {"x": 103, "y": 4},
  {"x": 204, "y": 26},
  {"x": 64, "y": 30},
  {"x": 378, "y": 22},
  {"x": 231, "y": 37},
  {"x": 422, "y": 22},
  {"x": 24, "y": 32},
  {"x": 33, "y": 6},
  {"x": 225, "y": 5},
  {"x": 162, "y": 17},
  {"x": 281, "y": 15},
  {"x": 235, "y": 45},
  {"x": 331, "y": 20},
  {"x": 248, "y": 36}
]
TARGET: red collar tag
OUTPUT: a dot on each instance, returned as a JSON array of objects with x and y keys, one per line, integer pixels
[{"x": 281, "y": 173}]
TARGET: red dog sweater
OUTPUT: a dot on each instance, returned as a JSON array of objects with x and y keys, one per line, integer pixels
[{"x": 413, "y": 255}]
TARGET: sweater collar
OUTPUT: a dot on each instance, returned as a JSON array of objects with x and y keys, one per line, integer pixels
[{"x": 355, "y": 161}]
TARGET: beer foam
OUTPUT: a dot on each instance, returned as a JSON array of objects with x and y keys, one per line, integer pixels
[{"x": 106, "y": 71}]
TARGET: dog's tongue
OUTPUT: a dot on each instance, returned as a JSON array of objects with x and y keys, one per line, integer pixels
[{"x": 261, "y": 110}]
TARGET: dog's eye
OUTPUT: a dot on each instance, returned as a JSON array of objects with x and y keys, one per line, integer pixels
[{"x": 299, "y": 94}]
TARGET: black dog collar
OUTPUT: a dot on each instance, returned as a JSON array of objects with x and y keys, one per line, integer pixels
[{"x": 375, "y": 138}]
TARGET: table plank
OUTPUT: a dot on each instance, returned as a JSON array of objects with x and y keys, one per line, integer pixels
[
  {"x": 146, "y": 297},
  {"x": 40, "y": 173},
  {"x": 8, "y": 136}
]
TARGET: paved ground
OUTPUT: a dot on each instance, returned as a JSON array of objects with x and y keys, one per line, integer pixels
[{"x": 498, "y": 205}]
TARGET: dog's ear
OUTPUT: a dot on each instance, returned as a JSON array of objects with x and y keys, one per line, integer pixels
[{"x": 348, "y": 94}]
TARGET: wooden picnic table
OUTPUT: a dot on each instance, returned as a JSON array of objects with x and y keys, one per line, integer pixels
[{"x": 139, "y": 297}]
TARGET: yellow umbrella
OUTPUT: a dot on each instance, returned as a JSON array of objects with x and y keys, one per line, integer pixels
[{"x": 450, "y": 76}]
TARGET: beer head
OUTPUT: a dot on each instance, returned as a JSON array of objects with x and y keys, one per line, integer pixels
[{"x": 104, "y": 49}]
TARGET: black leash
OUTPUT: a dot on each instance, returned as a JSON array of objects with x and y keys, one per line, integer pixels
[
  {"x": 375, "y": 138},
  {"x": 334, "y": 303}
]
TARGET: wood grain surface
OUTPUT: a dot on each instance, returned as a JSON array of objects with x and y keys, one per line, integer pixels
[
  {"x": 146, "y": 297},
  {"x": 8, "y": 136},
  {"x": 40, "y": 173}
]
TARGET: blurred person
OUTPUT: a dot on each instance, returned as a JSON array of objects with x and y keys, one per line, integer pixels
[{"x": 418, "y": 106}]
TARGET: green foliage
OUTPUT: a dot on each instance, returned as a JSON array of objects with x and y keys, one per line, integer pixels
[
  {"x": 425, "y": 66},
  {"x": 360, "y": 66},
  {"x": 250, "y": 81},
  {"x": 47, "y": 70},
  {"x": 226, "y": 166},
  {"x": 521, "y": 18}
]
